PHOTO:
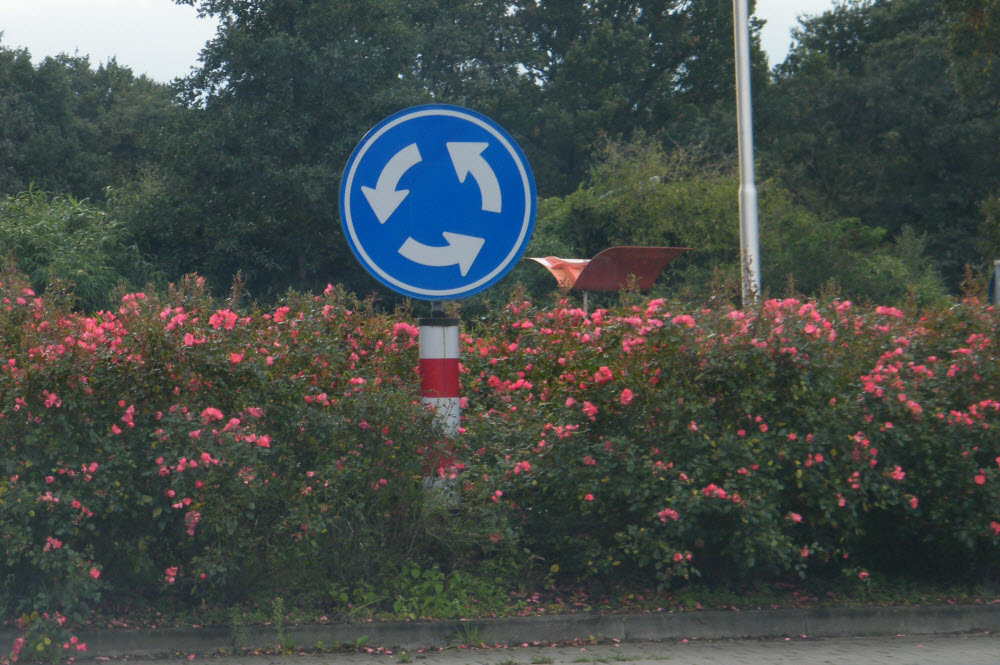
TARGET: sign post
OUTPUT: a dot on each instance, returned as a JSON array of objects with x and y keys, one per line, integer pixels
[
  {"x": 437, "y": 203},
  {"x": 439, "y": 368}
]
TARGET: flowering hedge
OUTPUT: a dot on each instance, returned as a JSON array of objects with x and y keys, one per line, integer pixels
[
  {"x": 818, "y": 438},
  {"x": 175, "y": 446},
  {"x": 181, "y": 446}
]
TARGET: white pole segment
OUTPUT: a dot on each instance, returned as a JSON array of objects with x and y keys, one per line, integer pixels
[{"x": 439, "y": 380}]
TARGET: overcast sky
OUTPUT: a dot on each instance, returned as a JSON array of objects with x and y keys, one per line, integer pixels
[{"x": 162, "y": 39}]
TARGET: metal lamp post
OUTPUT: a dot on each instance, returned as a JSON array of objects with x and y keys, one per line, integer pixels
[{"x": 749, "y": 241}]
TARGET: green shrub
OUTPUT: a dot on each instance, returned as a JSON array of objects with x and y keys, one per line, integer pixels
[
  {"x": 640, "y": 194},
  {"x": 61, "y": 239}
]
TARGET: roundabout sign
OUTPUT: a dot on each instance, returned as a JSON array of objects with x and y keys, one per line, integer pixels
[{"x": 437, "y": 202}]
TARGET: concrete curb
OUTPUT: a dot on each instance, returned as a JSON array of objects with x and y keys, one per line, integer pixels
[{"x": 713, "y": 624}]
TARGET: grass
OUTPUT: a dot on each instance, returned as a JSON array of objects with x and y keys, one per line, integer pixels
[
  {"x": 468, "y": 635},
  {"x": 292, "y": 610}
]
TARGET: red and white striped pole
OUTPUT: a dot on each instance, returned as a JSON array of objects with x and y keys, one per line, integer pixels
[{"x": 439, "y": 368}]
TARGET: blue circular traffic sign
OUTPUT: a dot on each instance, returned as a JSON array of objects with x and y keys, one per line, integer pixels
[{"x": 437, "y": 202}]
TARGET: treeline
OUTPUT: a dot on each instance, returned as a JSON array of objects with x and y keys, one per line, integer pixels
[{"x": 875, "y": 141}]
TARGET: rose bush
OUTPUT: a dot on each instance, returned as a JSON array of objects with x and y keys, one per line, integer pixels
[
  {"x": 176, "y": 447},
  {"x": 185, "y": 448},
  {"x": 741, "y": 444}
]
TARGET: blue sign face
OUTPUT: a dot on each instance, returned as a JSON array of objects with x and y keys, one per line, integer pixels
[{"x": 437, "y": 202}]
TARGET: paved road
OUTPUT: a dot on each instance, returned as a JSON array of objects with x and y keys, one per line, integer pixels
[{"x": 976, "y": 649}]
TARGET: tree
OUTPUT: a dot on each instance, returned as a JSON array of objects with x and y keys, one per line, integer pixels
[
  {"x": 611, "y": 68},
  {"x": 68, "y": 128},
  {"x": 288, "y": 88},
  {"x": 470, "y": 52},
  {"x": 42, "y": 139},
  {"x": 974, "y": 43},
  {"x": 285, "y": 91},
  {"x": 864, "y": 121},
  {"x": 974, "y": 40}
]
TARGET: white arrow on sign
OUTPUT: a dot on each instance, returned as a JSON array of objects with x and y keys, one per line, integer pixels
[
  {"x": 461, "y": 250},
  {"x": 385, "y": 198},
  {"x": 468, "y": 158}
]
